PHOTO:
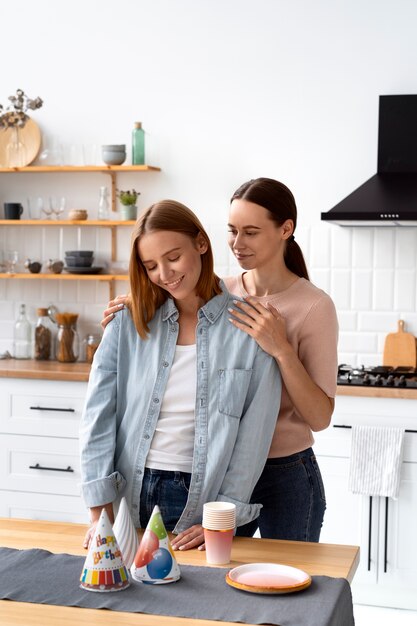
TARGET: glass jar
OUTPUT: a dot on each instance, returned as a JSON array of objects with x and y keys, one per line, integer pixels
[
  {"x": 43, "y": 336},
  {"x": 91, "y": 344},
  {"x": 67, "y": 344},
  {"x": 103, "y": 204}
]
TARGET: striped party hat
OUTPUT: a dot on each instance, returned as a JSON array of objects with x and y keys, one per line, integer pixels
[{"x": 104, "y": 569}]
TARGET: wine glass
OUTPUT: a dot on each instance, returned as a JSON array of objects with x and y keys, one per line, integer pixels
[
  {"x": 46, "y": 208},
  {"x": 57, "y": 206}
]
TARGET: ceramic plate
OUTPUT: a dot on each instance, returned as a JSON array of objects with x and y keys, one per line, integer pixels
[
  {"x": 83, "y": 270},
  {"x": 268, "y": 578},
  {"x": 31, "y": 137}
]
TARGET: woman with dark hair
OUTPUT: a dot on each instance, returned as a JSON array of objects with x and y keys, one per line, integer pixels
[
  {"x": 180, "y": 406},
  {"x": 296, "y": 323}
]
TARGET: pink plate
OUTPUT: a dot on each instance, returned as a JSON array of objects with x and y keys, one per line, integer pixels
[{"x": 268, "y": 578}]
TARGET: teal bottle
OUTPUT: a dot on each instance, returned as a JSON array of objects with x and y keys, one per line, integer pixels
[{"x": 138, "y": 144}]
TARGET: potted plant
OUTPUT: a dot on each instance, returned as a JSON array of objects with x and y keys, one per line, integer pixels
[{"x": 127, "y": 199}]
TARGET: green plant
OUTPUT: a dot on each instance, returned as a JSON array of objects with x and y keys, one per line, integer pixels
[{"x": 128, "y": 198}]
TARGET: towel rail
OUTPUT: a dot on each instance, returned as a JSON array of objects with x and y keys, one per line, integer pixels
[{"x": 347, "y": 426}]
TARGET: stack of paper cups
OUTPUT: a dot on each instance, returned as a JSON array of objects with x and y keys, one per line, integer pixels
[{"x": 219, "y": 522}]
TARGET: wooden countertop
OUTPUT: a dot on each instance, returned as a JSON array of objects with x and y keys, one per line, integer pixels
[
  {"x": 53, "y": 370},
  {"x": 44, "y": 370},
  {"x": 315, "y": 558}
]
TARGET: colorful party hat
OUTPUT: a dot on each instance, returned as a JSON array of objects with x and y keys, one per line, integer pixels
[
  {"x": 155, "y": 562},
  {"x": 125, "y": 533},
  {"x": 104, "y": 569}
]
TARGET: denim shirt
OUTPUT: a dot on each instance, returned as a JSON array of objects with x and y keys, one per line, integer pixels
[{"x": 237, "y": 400}]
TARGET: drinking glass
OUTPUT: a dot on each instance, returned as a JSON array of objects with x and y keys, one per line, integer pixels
[
  {"x": 12, "y": 259},
  {"x": 46, "y": 208},
  {"x": 57, "y": 205},
  {"x": 35, "y": 205}
]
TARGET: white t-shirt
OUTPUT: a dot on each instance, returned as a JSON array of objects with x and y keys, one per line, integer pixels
[{"x": 173, "y": 441}]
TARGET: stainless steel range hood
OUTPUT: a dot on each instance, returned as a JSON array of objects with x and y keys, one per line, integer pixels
[{"x": 390, "y": 197}]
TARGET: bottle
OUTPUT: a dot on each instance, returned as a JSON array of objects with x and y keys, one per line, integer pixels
[
  {"x": 103, "y": 204},
  {"x": 43, "y": 336},
  {"x": 138, "y": 144},
  {"x": 22, "y": 335},
  {"x": 91, "y": 343}
]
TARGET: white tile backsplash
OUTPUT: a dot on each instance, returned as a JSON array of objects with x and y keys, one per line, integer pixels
[{"x": 369, "y": 272}]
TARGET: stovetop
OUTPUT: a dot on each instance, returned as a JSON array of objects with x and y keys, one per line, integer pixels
[{"x": 379, "y": 376}]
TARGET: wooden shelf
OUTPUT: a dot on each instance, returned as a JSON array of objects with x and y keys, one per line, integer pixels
[
  {"x": 44, "y": 276},
  {"x": 48, "y": 223},
  {"x": 80, "y": 168}
]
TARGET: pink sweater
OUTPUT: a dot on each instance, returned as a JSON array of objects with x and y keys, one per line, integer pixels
[{"x": 312, "y": 330}]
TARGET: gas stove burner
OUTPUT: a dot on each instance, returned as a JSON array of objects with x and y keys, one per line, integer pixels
[{"x": 377, "y": 376}]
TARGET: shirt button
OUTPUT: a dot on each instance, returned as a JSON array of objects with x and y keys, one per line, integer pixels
[
  {"x": 156, "y": 400},
  {"x": 146, "y": 437},
  {"x": 211, "y": 316},
  {"x": 165, "y": 364}
]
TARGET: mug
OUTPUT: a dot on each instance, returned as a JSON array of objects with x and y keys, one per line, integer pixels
[{"x": 12, "y": 210}]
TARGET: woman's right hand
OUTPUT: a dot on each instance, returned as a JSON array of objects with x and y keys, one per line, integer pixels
[{"x": 112, "y": 308}]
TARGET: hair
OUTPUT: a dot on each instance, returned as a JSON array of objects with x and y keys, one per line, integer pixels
[
  {"x": 145, "y": 297},
  {"x": 278, "y": 200}
]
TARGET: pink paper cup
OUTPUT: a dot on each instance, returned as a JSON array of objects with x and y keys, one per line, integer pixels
[{"x": 218, "y": 545}]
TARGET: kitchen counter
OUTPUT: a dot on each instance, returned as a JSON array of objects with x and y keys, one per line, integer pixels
[
  {"x": 79, "y": 372},
  {"x": 44, "y": 370},
  {"x": 315, "y": 558}
]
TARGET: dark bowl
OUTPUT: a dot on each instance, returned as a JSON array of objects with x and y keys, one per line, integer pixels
[
  {"x": 78, "y": 261},
  {"x": 84, "y": 253}
]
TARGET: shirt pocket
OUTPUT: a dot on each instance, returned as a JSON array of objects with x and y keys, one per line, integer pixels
[{"x": 233, "y": 389}]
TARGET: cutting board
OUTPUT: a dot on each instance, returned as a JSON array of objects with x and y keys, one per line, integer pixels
[{"x": 400, "y": 348}]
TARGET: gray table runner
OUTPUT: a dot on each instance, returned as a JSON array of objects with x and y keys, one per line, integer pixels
[{"x": 45, "y": 578}]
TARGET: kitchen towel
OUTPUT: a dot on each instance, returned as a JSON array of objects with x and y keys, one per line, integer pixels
[
  {"x": 201, "y": 593},
  {"x": 375, "y": 462}
]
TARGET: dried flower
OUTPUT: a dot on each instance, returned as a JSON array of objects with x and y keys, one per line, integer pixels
[
  {"x": 128, "y": 198},
  {"x": 15, "y": 114}
]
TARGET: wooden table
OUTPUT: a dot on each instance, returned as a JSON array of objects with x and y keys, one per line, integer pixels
[{"x": 316, "y": 559}]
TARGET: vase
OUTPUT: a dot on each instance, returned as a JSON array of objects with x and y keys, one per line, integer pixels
[
  {"x": 16, "y": 149},
  {"x": 128, "y": 212}
]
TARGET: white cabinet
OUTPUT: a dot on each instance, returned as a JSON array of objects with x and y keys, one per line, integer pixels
[
  {"x": 39, "y": 460},
  {"x": 383, "y": 528}
]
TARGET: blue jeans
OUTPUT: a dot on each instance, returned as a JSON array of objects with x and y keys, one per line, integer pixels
[
  {"x": 292, "y": 494},
  {"x": 169, "y": 490}
]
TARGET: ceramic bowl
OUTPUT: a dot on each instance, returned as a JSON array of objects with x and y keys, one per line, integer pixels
[
  {"x": 89, "y": 253},
  {"x": 114, "y": 154},
  {"x": 78, "y": 261}
]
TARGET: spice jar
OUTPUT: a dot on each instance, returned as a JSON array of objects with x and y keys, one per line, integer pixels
[
  {"x": 43, "y": 336},
  {"x": 91, "y": 344},
  {"x": 67, "y": 342}
]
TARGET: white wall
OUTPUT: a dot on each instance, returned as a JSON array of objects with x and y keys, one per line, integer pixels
[{"x": 227, "y": 90}]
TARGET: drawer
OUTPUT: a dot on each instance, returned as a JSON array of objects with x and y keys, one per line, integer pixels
[
  {"x": 48, "y": 408},
  {"x": 40, "y": 464},
  {"x": 40, "y": 506}
]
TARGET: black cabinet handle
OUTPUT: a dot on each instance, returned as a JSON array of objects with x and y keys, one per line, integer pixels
[
  {"x": 346, "y": 426},
  {"x": 51, "y": 469},
  {"x": 370, "y": 533},
  {"x": 51, "y": 408},
  {"x": 386, "y": 537}
]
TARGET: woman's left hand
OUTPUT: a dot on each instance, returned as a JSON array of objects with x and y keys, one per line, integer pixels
[
  {"x": 191, "y": 538},
  {"x": 265, "y": 324}
]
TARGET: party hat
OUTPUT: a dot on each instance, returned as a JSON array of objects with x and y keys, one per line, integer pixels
[
  {"x": 104, "y": 569},
  {"x": 155, "y": 562},
  {"x": 125, "y": 533}
]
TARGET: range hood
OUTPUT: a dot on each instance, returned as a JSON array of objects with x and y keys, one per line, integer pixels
[{"x": 389, "y": 198}]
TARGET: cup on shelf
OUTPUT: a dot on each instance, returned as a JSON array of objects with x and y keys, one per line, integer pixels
[
  {"x": 219, "y": 523},
  {"x": 12, "y": 259},
  {"x": 35, "y": 205},
  {"x": 12, "y": 210}
]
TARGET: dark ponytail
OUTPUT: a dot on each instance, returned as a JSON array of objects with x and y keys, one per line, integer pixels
[{"x": 276, "y": 198}]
